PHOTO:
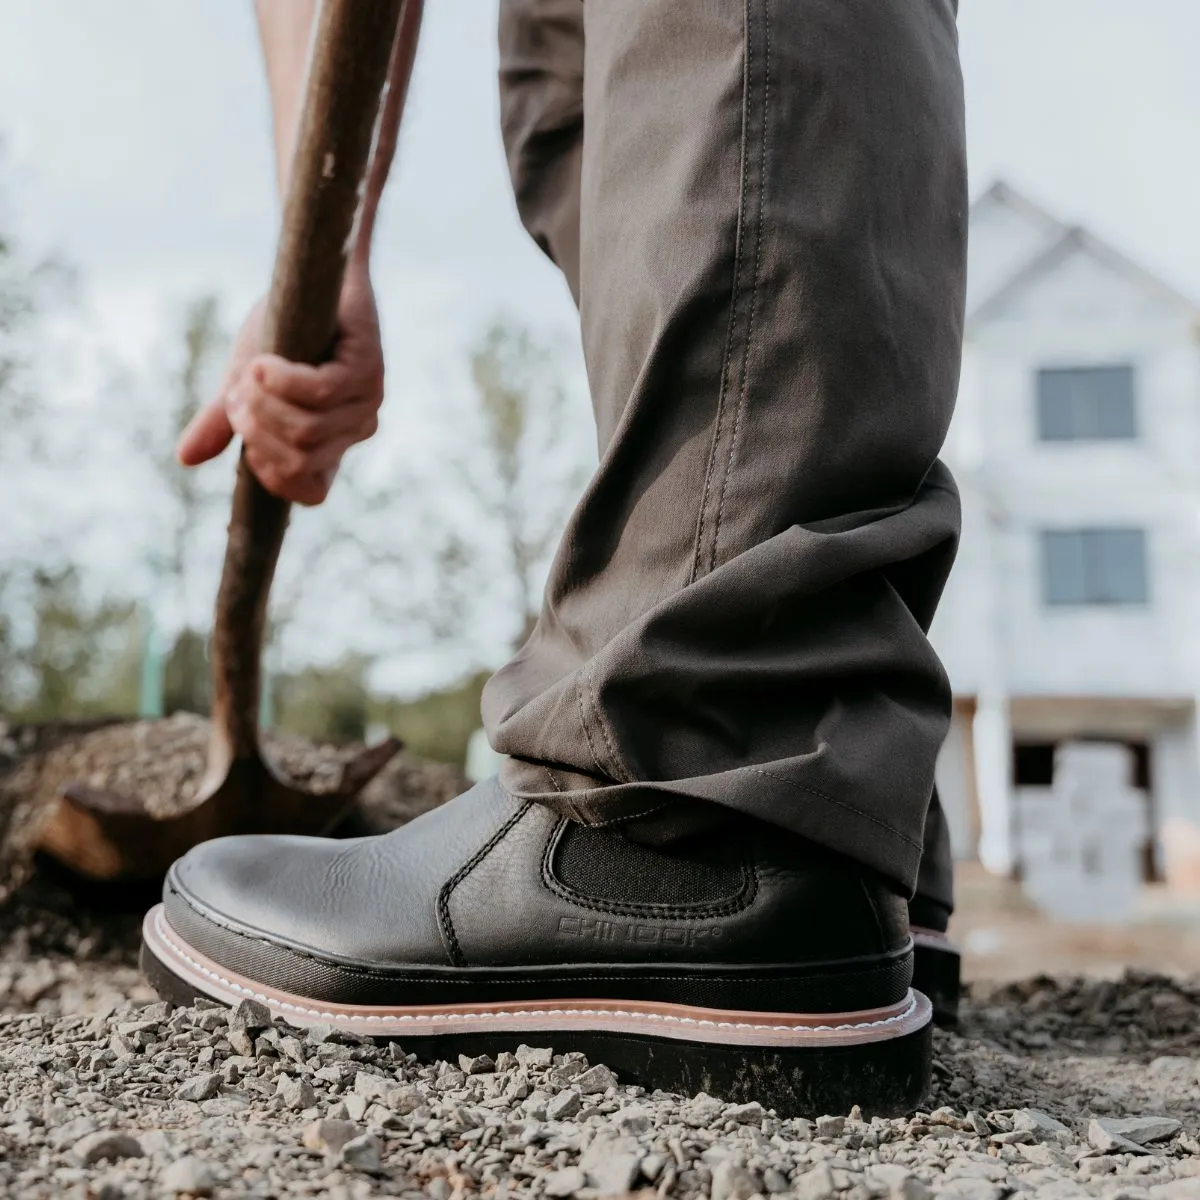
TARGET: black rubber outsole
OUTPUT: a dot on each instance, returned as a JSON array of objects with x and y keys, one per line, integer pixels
[{"x": 887, "y": 1078}]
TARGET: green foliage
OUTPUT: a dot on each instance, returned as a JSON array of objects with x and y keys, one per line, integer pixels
[
  {"x": 186, "y": 683},
  {"x": 437, "y": 725},
  {"x": 64, "y": 656},
  {"x": 326, "y": 704}
]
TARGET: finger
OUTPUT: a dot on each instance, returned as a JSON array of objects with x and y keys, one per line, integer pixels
[
  {"x": 309, "y": 488},
  {"x": 287, "y": 472},
  {"x": 317, "y": 388},
  {"x": 315, "y": 489},
  {"x": 309, "y": 431},
  {"x": 207, "y": 435}
]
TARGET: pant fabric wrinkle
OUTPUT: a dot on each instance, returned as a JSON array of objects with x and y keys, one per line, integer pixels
[{"x": 760, "y": 210}]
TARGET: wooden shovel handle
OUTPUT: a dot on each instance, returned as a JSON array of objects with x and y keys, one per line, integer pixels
[{"x": 348, "y": 70}]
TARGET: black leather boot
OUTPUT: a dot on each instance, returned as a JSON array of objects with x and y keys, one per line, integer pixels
[
  {"x": 937, "y": 963},
  {"x": 751, "y": 967}
]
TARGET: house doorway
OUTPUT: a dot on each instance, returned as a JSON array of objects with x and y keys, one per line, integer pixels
[{"x": 1033, "y": 766}]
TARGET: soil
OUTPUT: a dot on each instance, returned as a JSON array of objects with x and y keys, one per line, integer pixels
[{"x": 161, "y": 762}]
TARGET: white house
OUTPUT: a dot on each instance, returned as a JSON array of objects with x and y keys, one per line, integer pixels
[{"x": 1073, "y": 613}]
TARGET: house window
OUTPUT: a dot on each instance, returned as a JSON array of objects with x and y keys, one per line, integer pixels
[
  {"x": 1085, "y": 404},
  {"x": 1094, "y": 566}
]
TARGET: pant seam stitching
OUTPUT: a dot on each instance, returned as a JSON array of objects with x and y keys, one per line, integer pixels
[
  {"x": 727, "y": 355},
  {"x": 620, "y": 771},
  {"x": 625, "y": 818},
  {"x": 744, "y": 388},
  {"x": 587, "y": 733},
  {"x": 858, "y": 812}
]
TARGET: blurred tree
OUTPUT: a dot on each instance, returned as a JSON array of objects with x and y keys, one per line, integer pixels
[
  {"x": 530, "y": 480},
  {"x": 514, "y": 465},
  {"x": 187, "y": 508},
  {"x": 186, "y": 682},
  {"x": 326, "y": 704},
  {"x": 437, "y": 725},
  {"x": 73, "y": 658},
  {"x": 39, "y": 596}
]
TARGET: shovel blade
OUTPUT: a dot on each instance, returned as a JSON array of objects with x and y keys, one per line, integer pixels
[{"x": 107, "y": 837}]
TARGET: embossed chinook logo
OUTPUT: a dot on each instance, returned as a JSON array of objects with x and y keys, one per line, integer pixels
[{"x": 604, "y": 929}]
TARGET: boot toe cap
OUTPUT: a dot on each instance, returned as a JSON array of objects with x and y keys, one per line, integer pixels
[{"x": 238, "y": 899}]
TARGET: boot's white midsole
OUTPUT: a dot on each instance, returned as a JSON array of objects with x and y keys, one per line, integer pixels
[{"x": 648, "y": 1018}]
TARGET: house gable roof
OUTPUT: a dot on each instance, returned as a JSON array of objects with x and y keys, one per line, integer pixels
[{"x": 1046, "y": 243}]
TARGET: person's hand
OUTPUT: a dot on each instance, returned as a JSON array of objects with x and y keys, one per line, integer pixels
[{"x": 297, "y": 421}]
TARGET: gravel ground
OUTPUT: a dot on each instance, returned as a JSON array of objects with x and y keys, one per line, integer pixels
[{"x": 1052, "y": 1088}]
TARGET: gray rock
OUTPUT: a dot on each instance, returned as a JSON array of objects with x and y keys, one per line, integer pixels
[
  {"x": 775, "y": 1181},
  {"x": 250, "y": 1015},
  {"x": 611, "y": 1164},
  {"x": 72, "y": 1131},
  {"x": 634, "y": 1120},
  {"x": 482, "y": 1064},
  {"x": 745, "y": 1114},
  {"x": 1060, "y": 1189},
  {"x": 1043, "y": 1126},
  {"x": 966, "y": 1188},
  {"x": 1174, "y": 1065},
  {"x": 1187, "y": 1188},
  {"x": 297, "y": 1094},
  {"x": 200, "y": 1087},
  {"x": 831, "y": 1127},
  {"x": 816, "y": 1184},
  {"x": 565, "y": 1182},
  {"x": 652, "y": 1167},
  {"x": 1142, "y": 1130},
  {"x": 731, "y": 1181},
  {"x": 564, "y": 1105},
  {"x": 110, "y": 1146},
  {"x": 1093, "y": 1168},
  {"x": 594, "y": 1081},
  {"x": 891, "y": 1176},
  {"x": 1040, "y": 1155},
  {"x": 242, "y": 1042},
  {"x": 363, "y": 1153},
  {"x": 702, "y": 1110},
  {"x": 403, "y": 1100},
  {"x": 328, "y": 1135},
  {"x": 534, "y": 1058},
  {"x": 373, "y": 1087},
  {"x": 190, "y": 1176},
  {"x": 292, "y": 1048},
  {"x": 913, "y": 1189},
  {"x": 979, "y": 1124},
  {"x": 1108, "y": 1142}
]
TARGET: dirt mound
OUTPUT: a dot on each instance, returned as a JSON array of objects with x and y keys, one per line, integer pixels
[{"x": 162, "y": 763}]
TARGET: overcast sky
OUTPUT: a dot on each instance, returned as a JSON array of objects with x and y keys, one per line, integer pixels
[{"x": 136, "y": 145}]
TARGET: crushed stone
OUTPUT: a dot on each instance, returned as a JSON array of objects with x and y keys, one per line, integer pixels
[{"x": 178, "y": 1111}]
